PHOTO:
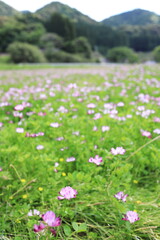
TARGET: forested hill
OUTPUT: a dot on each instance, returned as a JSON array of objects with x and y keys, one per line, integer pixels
[
  {"x": 136, "y": 17},
  {"x": 6, "y": 10},
  {"x": 72, "y": 13}
]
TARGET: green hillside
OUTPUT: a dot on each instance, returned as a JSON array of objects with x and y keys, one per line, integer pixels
[
  {"x": 6, "y": 10},
  {"x": 72, "y": 13},
  {"x": 135, "y": 17}
]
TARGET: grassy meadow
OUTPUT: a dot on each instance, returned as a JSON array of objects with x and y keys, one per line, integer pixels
[{"x": 94, "y": 130}]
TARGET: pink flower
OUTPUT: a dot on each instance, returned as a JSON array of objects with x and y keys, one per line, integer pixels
[
  {"x": 146, "y": 133},
  {"x": 38, "y": 228},
  {"x": 97, "y": 116},
  {"x": 41, "y": 114},
  {"x": 19, "y": 130},
  {"x": 95, "y": 128},
  {"x": 55, "y": 125},
  {"x": 91, "y": 105},
  {"x": 131, "y": 216},
  {"x": 1, "y": 169},
  {"x": 118, "y": 150},
  {"x": 51, "y": 219},
  {"x": 157, "y": 130},
  {"x": 121, "y": 196},
  {"x": 67, "y": 193},
  {"x": 71, "y": 159},
  {"x": 156, "y": 119},
  {"x": 97, "y": 160},
  {"x": 39, "y": 147},
  {"x": 34, "y": 213},
  {"x": 19, "y": 107},
  {"x": 1, "y": 124},
  {"x": 105, "y": 128}
]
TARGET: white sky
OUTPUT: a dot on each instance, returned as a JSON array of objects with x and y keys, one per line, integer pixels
[{"x": 96, "y": 9}]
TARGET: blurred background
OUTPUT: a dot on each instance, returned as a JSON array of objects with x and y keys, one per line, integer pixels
[{"x": 57, "y": 32}]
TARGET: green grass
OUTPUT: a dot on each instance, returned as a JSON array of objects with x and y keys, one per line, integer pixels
[{"x": 29, "y": 178}]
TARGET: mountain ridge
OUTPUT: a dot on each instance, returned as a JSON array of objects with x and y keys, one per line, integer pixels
[
  {"x": 134, "y": 17},
  {"x": 64, "y": 9},
  {"x": 7, "y": 10}
]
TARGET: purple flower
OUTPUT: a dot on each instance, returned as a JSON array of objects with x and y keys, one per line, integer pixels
[
  {"x": 118, "y": 150},
  {"x": 38, "y": 228},
  {"x": 131, "y": 216},
  {"x": 121, "y": 196},
  {"x": 67, "y": 193},
  {"x": 97, "y": 160},
  {"x": 51, "y": 219}
]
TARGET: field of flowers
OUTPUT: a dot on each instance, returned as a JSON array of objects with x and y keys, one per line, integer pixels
[{"x": 80, "y": 153}]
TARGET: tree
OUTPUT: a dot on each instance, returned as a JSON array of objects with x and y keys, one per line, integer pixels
[
  {"x": 156, "y": 54},
  {"x": 25, "y": 53},
  {"x": 122, "y": 55},
  {"x": 61, "y": 25}
]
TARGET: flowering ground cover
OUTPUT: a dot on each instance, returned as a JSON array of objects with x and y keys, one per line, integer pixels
[{"x": 80, "y": 153}]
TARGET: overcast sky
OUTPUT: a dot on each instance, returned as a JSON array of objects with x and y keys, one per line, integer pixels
[{"x": 96, "y": 9}]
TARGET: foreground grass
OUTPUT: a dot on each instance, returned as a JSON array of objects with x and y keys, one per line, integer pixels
[{"x": 124, "y": 98}]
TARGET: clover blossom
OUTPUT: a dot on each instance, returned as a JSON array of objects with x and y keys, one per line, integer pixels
[
  {"x": 19, "y": 107},
  {"x": 146, "y": 133},
  {"x": 118, "y": 150},
  {"x": 97, "y": 160},
  {"x": 121, "y": 196},
  {"x": 51, "y": 220},
  {"x": 38, "y": 228},
  {"x": 131, "y": 216},
  {"x": 34, "y": 212},
  {"x": 105, "y": 128},
  {"x": 67, "y": 193},
  {"x": 20, "y": 130},
  {"x": 157, "y": 130}
]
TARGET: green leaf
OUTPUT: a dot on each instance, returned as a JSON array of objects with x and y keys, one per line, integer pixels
[
  {"x": 75, "y": 226},
  {"x": 67, "y": 230},
  {"x": 82, "y": 227}
]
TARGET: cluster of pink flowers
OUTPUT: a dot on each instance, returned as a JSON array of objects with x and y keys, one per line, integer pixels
[
  {"x": 97, "y": 160},
  {"x": 118, "y": 150},
  {"x": 34, "y": 134},
  {"x": 67, "y": 193},
  {"x": 130, "y": 216},
  {"x": 50, "y": 220}
]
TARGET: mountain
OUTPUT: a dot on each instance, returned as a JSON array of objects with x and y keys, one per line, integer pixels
[
  {"x": 136, "y": 17},
  {"x": 6, "y": 10},
  {"x": 64, "y": 9}
]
